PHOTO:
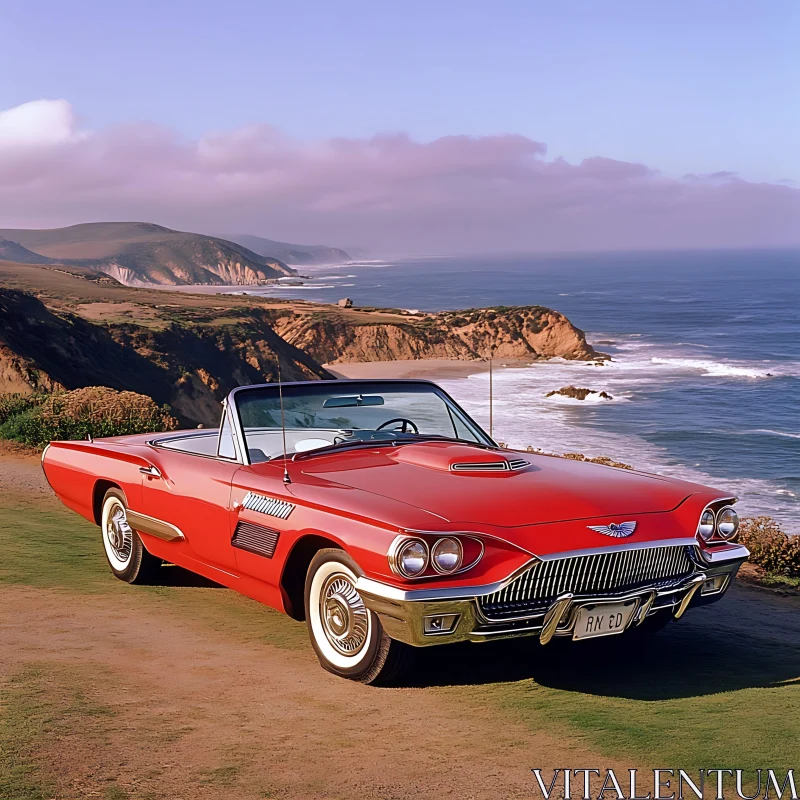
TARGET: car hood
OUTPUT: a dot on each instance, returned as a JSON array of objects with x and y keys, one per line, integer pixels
[{"x": 463, "y": 484}]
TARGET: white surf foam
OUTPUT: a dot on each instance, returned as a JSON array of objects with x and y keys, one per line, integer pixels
[{"x": 716, "y": 369}]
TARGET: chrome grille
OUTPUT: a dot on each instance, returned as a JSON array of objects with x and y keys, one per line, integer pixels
[{"x": 610, "y": 573}]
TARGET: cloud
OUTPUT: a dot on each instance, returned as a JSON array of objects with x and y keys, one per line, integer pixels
[
  {"x": 41, "y": 122},
  {"x": 387, "y": 192}
]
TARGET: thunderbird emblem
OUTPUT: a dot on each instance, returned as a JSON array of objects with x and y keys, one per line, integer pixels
[{"x": 617, "y": 530}]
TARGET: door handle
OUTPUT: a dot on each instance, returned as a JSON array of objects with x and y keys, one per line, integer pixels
[{"x": 151, "y": 471}]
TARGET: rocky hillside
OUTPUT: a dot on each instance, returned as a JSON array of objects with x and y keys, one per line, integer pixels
[
  {"x": 296, "y": 254},
  {"x": 137, "y": 254},
  {"x": 190, "y": 367},
  {"x": 522, "y": 333}
]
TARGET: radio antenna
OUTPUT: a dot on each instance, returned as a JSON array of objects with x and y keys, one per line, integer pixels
[
  {"x": 491, "y": 401},
  {"x": 286, "y": 478}
]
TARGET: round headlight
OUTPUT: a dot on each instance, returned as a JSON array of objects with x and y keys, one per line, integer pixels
[
  {"x": 412, "y": 558},
  {"x": 447, "y": 555},
  {"x": 727, "y": 522},
  {"x": 706, "y": 526}
]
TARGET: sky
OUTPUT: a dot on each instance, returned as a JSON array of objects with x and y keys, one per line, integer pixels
[{"x": 410, "y": 126}]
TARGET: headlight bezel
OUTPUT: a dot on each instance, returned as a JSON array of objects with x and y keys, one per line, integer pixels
[
  {"x": 396, "y": 556},
  {"x": 471, "y": 546},
  {"x": 717, "y": 523},
  {"x": 710, "y": 526},
  {"x": 436, "y": 566},
  {"x": 714, "y": 509}
]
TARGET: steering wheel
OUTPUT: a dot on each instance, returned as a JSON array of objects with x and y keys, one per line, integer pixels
[{"x": 406, "y": 425}]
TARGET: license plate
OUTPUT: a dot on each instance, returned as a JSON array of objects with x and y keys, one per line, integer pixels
[{"x": 603, "y": 619}]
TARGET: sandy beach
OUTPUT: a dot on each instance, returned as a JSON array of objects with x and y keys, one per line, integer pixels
[{"x": 431, "y": 368}]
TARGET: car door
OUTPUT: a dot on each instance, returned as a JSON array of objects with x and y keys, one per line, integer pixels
[{"x": 193, "y": 493}]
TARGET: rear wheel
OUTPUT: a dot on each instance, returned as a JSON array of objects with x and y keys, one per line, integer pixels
[
  {"x": 347, "y": 637},
  {"x": 127, "y": 557}
]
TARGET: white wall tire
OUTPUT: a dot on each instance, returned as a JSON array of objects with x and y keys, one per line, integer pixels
[
  {"x": 126, "y": 555},
  {"x": 347, "y": 638}
]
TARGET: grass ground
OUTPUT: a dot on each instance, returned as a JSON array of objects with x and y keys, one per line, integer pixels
[{"x": 722, "y": 688}]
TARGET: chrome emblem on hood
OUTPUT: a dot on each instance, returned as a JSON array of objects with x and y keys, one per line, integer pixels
[{"x": 619, "y": 530}]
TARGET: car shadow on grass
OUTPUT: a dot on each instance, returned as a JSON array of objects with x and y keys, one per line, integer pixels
[
  {"x": 715, "y": 649},
  {"x": 174, "y": 576}
]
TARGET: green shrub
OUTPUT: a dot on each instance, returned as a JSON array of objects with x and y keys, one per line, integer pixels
[
  {"x": 13, "y": 404},
  {"x": 770, "y": 547},
  {"x": 95, "y": 411}
]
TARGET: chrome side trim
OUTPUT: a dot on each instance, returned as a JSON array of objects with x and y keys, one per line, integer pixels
[
  {"x": 155, "y": 527},
  {"x": 270, "y": 506}
]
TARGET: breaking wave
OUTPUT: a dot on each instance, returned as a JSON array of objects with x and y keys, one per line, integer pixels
[{"x": 715, "y": 369}]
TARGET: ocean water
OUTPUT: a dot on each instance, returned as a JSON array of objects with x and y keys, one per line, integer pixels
[{"x": 705, "y": 376}]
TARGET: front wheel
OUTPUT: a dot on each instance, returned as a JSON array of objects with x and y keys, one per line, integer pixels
[
  {"x": 347, "y": 637},
  {"x": 127, "y": 557}
]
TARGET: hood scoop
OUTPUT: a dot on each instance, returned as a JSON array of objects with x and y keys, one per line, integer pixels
[
  {"x": 507, "y": 465},
  {"x": 457, "y": 458}
]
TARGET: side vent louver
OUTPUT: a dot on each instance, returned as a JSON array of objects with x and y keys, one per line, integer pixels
[
  {"x": 267, "y": 505},
  {"x": 489, "y": 466},
  {"x": 255, "y": 539}
]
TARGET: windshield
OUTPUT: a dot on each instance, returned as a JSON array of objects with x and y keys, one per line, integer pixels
[{"x": 324, "y": 414}]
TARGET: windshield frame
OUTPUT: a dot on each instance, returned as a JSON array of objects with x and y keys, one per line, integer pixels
[{"x": 346, "y": 383}]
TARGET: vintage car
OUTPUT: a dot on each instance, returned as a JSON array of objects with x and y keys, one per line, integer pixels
[{"x": 381, "y": 514}]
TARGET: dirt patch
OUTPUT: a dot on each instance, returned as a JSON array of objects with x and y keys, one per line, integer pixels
[
  {"x": 21, "y": 475},
  {"x": 183, "y": 712}
]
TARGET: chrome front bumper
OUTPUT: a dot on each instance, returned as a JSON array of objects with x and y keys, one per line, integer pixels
[{"x": 408, "y": 614}]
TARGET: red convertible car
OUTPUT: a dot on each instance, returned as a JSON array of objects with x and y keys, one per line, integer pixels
[{"x": 383, "y": 516}]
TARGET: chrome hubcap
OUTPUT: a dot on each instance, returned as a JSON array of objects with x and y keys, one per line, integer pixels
[
  {"x": 344, "y": 616},
  {"x": 119, "y": 534}
]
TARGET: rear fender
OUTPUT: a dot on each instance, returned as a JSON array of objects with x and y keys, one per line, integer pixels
[{"x": 74, "y": 470}]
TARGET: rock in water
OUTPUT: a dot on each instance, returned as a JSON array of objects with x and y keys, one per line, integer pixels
[
  {"x": 345, "y": 302},
  {"x": 578, "y": 393}
]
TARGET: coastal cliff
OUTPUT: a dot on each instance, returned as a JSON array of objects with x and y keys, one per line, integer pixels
[
  {"x": 191, "y": 368},
  {"x": 189, "y": 261},
  {"x": 74, "y": 327},
  {"x": 524, "y": 333}
]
